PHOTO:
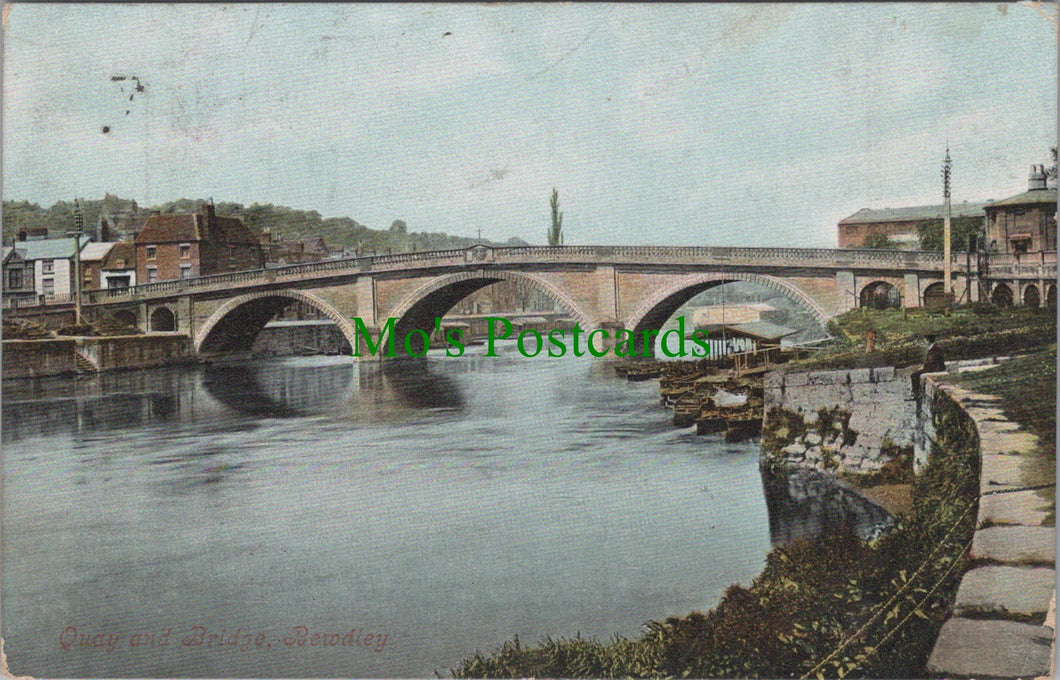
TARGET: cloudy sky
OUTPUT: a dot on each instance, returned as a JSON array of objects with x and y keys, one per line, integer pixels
[{"x": 680, "y": 124}]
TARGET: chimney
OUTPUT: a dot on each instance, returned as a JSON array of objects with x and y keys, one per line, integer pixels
[{"x": 1037, "y": 179}]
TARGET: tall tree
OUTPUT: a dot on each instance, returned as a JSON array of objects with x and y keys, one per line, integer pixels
[{"x": 555, "y": 233}]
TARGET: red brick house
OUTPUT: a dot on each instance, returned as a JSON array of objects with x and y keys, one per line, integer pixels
[
  {"x": 185, "y": 245},
  {"x": 899, "y": 224}
]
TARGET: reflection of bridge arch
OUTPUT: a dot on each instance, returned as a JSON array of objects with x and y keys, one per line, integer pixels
[
  {"x": 660, "y": 306},
  {"x": 419, "y": 309},
  {"x": 236, "y": 323}
]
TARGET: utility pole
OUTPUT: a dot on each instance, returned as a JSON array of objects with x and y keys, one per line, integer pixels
[
  {"x": 77, "y": 233},
  {"x": 947, "y": 285}
]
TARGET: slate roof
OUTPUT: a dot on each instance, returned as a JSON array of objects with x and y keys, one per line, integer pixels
[
  {"x": 917, "y": 213},
  {"x": 95, "y": 251},
  {"x": 50, "y": 248},
  {"x": 1032, "y": 197}
]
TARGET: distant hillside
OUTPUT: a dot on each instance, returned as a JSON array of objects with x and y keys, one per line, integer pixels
[{"x": 284, "y": 223}]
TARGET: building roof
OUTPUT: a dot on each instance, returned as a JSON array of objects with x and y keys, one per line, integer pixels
[
  {"x": 1033, "y": 197},
  {"x": 121, "y": 256},
  {"x": 11, "y": 250},
  {"x": 50, "y": 248},
  {"x": 95, "y": 251},
  {"x": 762, "y": 330},
  {"x": 917, "y": 213},
  {"x": 196, "y": 226}
]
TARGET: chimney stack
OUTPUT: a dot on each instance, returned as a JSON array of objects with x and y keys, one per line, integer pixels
[{"x": 1037, "y": 179}]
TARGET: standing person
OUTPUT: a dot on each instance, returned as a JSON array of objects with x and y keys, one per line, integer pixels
[{"x": 934, "y": 362}]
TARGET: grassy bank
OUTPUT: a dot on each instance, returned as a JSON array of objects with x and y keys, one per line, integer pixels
[
  {"x": 969, "y": 332},
  {"x": 832, "y": 606}
]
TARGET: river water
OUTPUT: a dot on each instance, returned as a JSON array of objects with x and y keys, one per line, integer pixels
[{"x": 410, "y": 514}]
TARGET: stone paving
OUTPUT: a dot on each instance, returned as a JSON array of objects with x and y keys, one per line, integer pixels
[{"x": 1004, "y": 613}]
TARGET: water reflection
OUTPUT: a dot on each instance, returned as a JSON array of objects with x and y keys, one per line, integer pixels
[
  {"x": 280, "y": 389},
  {"x": 804, "y": 503},
  {"x": 452, "y": 503}
]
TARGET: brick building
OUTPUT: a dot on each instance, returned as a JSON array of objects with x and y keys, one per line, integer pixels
[
  {"x": 900, "y": 224},
  {"x": 185, "y": 245},
  {"x": 1025, "y": 223}
]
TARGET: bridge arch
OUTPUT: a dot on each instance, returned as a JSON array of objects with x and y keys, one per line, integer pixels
[
  {"x": 419, "y": 308},
  {"x": 879, "y": 295},
  {"x": 1031, "y": 298},
  {"x": 1001, "y": 295},
  {"x": 236, "y": 323},
  {"x": 661, "y": 305},
  {"x": 162, "y": 319}
]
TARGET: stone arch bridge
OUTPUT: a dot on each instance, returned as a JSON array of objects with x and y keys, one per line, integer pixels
[{"x": 636, "y": 288}]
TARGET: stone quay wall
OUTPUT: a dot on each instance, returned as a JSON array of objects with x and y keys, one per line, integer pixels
[
  {"x": 845, "y": 421},
  {"x": 38, "y": 358}
]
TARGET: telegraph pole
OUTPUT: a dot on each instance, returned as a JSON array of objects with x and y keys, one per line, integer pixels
[
  {"x": 77, "y": 233},
  {"x": 947, "y": 285}
]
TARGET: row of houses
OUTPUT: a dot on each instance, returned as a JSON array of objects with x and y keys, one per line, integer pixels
[
  {"x": 1024, "y": 223},
  {"x": 159, "y": 247}
]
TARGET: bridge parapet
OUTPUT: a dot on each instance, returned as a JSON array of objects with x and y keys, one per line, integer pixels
[{"x": 824, "y": 258}]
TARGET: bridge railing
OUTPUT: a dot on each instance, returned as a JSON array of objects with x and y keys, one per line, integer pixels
[{"x": 568, "y": 254}]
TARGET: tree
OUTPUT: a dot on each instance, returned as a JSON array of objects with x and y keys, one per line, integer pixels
[
  {"x": 399, "y": 227},
  {"x": 961, "y": 228},
  {"x": 555, "y": 233},
  {"x": 1050, "y": 172},
  {"x": 881, "y": 242}
]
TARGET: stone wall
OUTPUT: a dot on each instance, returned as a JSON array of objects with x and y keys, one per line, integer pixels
[
  {"x": 135, "y": 351},
  {"x": 35, "y": 358},
  {"x": 846, "y": 421},
  {"x": 1004, "y": 612},
  {"x": 286, "y": 338},
  {"x": 32, "y": 358}
]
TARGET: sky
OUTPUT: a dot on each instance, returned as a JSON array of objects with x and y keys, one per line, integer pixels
[{"x": 685, "y": 124}]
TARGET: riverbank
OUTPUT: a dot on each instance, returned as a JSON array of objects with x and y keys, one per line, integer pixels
[
  {"x": 835, "y": 605},
  {"x": 1003, "y": 622}
]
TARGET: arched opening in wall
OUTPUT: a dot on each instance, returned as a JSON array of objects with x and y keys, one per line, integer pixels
[
  {"x": 1031, "y": 297},
  {"x": 1001, "y": 295},
  {"x": 1050, "y": 296},
  {"x": 739, "y": 315},
  {"x": 935, "y": 295},
  {"x": 455, "y": 306},
  {"x": 880, "y": 295},
  {"x": 124, "y": 317},
  {"x": 275, "y": 324},
  {"x": 163, "y": 320}
]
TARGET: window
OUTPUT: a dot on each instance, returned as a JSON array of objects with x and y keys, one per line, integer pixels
[
  {"x": 1022, "y": 245},
  {"x": 120, "y": 264},
  {"x": 14, "y": 279},
  {"x": 48, "y": 287},
  {"x": 185, "y": 271},
  {"x": 152, "y": 274},
  {"x": 151, "y": 250},
  {"x": 47, "y": 266},
  {"x": 185, "y": 251}
]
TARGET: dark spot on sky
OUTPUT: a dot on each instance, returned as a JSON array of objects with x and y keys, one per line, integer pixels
[
  {"x": 106, "y": 129},
  {"x": 447, "y": 33}
]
